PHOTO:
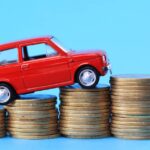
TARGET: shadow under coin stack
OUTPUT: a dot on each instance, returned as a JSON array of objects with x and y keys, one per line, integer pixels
[
  {"x": 2, "y": 123},
  {"x": 84, "y": 113},
  {"x": 33, "y": 117},
  {"x": 130, "y": 96}
]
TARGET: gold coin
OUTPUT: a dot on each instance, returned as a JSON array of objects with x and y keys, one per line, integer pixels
[
  {"x": 28, "y": 105},
  {"x": 34, "y": 101},
  {"x": 38, "y": 120},
  {"x": 2, "y": 135},
  {"x": 87, "y": 126},
  {"x": 76, "y": 87},
  {"x": 33, "y": 122},
  {"x": 36, "y": 116},
  {"x": 34, "y": 126},
  {"x": 129, "y": 91},
  {"x": 134, "y": 116},
  {"x": 131, "y": 109},
  {"x": 24, "y": 133},
  {"x": 129, "y": 123},
  {"x": 133, "y": 130},
  {"x": 129, "y": 94},
  {"x": 132, "y": 137},
  {"x": 66, "y": 131},
  {"x": 84, "y": 97},
  {"x": 86, "y": 105},
  {"x": 8, "y": 108},
  {"x": 106, "y": 114},
  {"x": 77, "y": 122},
  {"x": 130, "y": 126},
  {"x": 131, "y": 77},
  {"x": 32, "y": 130},
  {"x": 129, "y": 98},
  {"x": 85, "y": 101},
  {"x": 129, "y": 87},
  {"x": 22, "y": 136},
  {"x": 132, "y": 105},
  {"x": 84, "y": 119},
  {"x": 83, "y": 112},
  {"x": 98, "y": 108},
  {"x": 27, "y": 112},
  {"x": 131, "y": 119},
  {"x": 87, "y": 136}
]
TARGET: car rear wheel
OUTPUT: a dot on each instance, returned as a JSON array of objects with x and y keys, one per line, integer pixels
[
  {"x": 7, "y": 94},
  {"x": 87, "y": 77}
]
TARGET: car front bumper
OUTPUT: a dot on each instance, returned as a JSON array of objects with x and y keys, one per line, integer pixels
[{"x": 108, "y": 68}]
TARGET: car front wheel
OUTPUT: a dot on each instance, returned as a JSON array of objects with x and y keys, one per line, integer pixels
[
  {"x": 87, "y": 77},
  {"x": 7, "y": 94}
]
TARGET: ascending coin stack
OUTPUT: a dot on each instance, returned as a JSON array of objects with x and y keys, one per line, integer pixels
[
  {"x": 131, "y": 106},
  {"x": 33, "y": 117},
  {"x": 2, "y": 123},
  {"x": 84, "y": 113}
]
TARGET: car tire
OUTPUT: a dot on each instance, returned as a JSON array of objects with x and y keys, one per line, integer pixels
[
  {"x": 7, "y": 94},
  {"x": 87, "y": 77}
]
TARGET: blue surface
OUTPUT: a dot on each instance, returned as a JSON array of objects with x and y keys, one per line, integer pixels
[{"x": 122, "y": 27}]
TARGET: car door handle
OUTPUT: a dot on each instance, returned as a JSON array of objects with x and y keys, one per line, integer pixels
[{"x": 24, "y": 66}]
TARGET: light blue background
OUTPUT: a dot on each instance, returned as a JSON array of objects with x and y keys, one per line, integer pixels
[{"x": 121, "y": 27}]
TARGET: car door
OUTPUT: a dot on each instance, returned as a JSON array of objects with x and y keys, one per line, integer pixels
[{"x": 43, "y": 66}]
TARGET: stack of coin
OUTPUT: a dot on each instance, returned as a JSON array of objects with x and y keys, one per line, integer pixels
[
  {"x": 130, "y": 96},
  {"x": 33, "y": 117},
  {"x": 2, "y": 123},
  {"x": 84, "y": 113}
]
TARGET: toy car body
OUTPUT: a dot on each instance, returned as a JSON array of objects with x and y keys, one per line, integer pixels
[{"x": 41, "y": 63}]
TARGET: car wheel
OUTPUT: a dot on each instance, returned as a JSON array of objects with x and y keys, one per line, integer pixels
[
  {"x": 7, "y": 94},
  {"x": 87, "y": 77}
]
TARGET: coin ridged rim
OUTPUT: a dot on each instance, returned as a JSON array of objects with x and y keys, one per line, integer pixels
[
  {"x": 130, "y": 109},
  {"x": 33, "y": 104},
  {"x": 129, "y": 123},
  {"x": 37, "y": 116},
  {"x": 30, "y": 101},
  {"x": 131, "y": 137},
  {"x": 86, "y": 115},
  {"x": 87, "y": 137},
  {"x": 131, "y": 77},
  {"x": 72, "y": 118},
  {"x": 130, "y": 98},
  {"x": 84, "y": 126},
  {"x": 120, "y": 86},
  {"x": 88, "y": 105},
  {"x": 83, "y": 112},
  {"x": 133, "y": 130},
  {"x": 88, "y": 132},
  {"x": 77, "y": 122},
  {"x": 130, "y": 126},
  {"x": 29, "y": 108},
  {"x": 35, "y": 137},
  {"x": 73, "y": 88},
  {"x": 99, "y": 107}
]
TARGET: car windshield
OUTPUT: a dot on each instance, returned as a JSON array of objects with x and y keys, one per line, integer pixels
[{"x": 59, "y": 44}]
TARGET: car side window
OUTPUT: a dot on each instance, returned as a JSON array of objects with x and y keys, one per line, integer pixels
[
  {"x": 38, "y": 51},
  {"x": 9, "y": 56}
]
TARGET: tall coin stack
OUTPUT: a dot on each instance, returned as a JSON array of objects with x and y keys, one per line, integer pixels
[
  {"x": 130, "y": 96},
  {"x": 2, "y": 123},
  {"x": 84, "y": 113},
  {"x": 33, "y": 117}
]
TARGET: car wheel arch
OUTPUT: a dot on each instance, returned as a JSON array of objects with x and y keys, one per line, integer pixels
[
  {"x": 4, "y": 82},
  {"x": 82, "y": 66}
]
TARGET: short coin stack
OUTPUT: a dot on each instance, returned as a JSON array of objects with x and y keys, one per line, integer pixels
[
  {"x": 33, "y": 117},
  {"x": 84, "y": 113},
  {"x": 130, "y": 96},
  {"x": 2, "y": 123}
]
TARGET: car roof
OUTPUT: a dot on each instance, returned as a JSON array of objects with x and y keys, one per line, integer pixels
[{"x": 13, "y": 44}]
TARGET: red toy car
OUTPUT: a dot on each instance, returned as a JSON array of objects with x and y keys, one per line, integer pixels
[{"x": 41, "y": 63}]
